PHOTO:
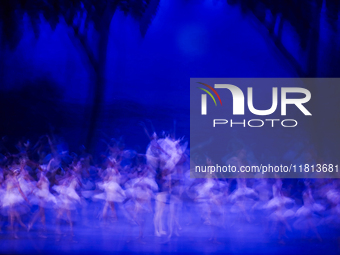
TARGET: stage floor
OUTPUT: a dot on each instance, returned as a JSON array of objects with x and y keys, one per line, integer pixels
[{"x": 92, "y": 235}]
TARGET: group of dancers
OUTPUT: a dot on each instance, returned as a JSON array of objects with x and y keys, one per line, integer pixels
[{"x": 156, "y": 183}]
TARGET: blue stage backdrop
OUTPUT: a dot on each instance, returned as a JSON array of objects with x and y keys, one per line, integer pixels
[{"x": 85, "y": 79}]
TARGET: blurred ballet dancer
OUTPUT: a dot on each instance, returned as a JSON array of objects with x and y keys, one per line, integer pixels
[
  {"x": 44, "y": 199},
  {"x": 216, "y": 204},
  {"x": 306, "y": 217},
  {"x": 210, "y": 198},
  {"x": 2, "y": 193},
  {"x": 13, "y": 203},
  {"x": 279, "y": 213},
  {"x": 112, "y": 192},
  {"x": 67, "y": 200},
  {"x": 241, "y": 198},
  {"x": 163, "y": 181},
  {"x": 175, "y": 194},
  {"x": 164, "y": 161},
  {"x": 141, "y": 191},
  {"x": 27, "y": 183}
]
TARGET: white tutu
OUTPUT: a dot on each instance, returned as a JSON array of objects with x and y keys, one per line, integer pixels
[
  {"x": 140, "y": 193},
  {"x": 26, "y": 186},
  {"x": 100, "y": 196},
  {"x": 307, "y": 211},
  {"x": 306, "y": 217},
  {"x": 242, "y": 192},
  {"x": 113, "y": 192},
  {"x": 304, "y": 212},
  {"x": 282, "y": 215},
  {"x": 13, "y": 200},
  {"x": 41, "y": 195},
  {"x": 67, "y": 198},
  {"x": 333, "y": 196},
  {"x": 277, "y": 202},
  {"x": 151, "y": 183}
]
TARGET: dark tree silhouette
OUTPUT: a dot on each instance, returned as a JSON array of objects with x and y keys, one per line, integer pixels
[
  {"x": 304, "y": 17},
  {"x": 77, "y": 15}
]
